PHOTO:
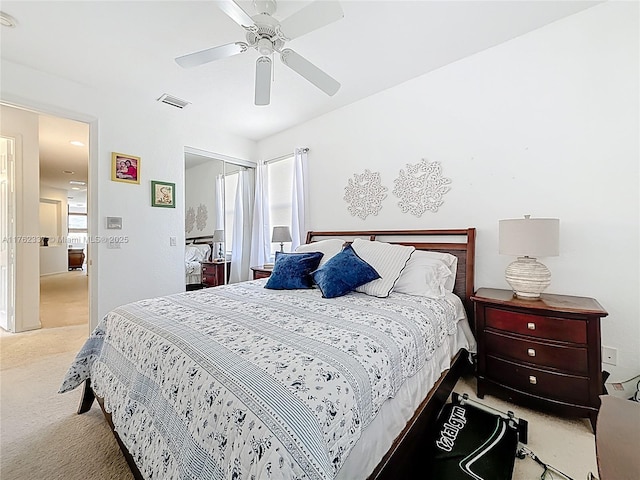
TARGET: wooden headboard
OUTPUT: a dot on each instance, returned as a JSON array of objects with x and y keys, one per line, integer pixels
[{"x": 458, "y": 242}]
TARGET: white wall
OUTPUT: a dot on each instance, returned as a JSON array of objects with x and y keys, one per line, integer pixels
[
  {"x": 54, "y": 258},
  {"x": 23, "y": 126},
  {"x": 546, "y": 124},
  {"x": 147, "y": 265}
]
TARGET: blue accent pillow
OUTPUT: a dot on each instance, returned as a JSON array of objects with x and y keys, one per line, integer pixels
[
  {"x": 343, "y": 273},
  {"x": 292, "y": 270}
]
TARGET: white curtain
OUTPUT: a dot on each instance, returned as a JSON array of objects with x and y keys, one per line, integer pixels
[
  {"x": 241, "y": 238},
  {"x": 298, "y": 226},
  {"x": 261, "y": 237}
]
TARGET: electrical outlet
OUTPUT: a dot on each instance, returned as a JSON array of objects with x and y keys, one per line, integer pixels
[
  {"x": 609, "y": 355},
  {"x": 172, "y": 241}
]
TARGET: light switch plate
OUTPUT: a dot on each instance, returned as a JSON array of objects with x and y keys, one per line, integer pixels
[{"x": 114, "y": 223}]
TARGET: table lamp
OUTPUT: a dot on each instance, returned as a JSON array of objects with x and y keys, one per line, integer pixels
[
  {"x": 281, "y": 235},
  {"x": 218, "y": 237},
  {"x": 528, "y": 238}
]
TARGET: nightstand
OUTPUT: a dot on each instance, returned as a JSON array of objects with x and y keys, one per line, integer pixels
[
  {"x": 213, "y": 273},
  {"x": 261, "y": 272},
  {"x": 541, "y": 353}
]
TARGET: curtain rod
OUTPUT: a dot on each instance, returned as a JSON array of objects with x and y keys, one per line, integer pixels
[{"x": 282, "y": 157}]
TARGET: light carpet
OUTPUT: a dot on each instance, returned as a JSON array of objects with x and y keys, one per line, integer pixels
[
  {"x": 64, "y": 299},
  {"x": 42, "y": 437}
]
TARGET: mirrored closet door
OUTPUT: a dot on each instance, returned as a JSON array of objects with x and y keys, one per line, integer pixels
[{"x": 218, "y": 216}]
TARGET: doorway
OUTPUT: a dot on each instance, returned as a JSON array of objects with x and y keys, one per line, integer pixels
[{"x": 64, "y": 182}]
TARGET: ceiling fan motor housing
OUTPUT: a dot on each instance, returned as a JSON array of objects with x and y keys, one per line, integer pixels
[{"x": 264, "y": 31}]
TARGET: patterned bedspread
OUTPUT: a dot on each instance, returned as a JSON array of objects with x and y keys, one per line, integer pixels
[{"x": 242, "y": 382}]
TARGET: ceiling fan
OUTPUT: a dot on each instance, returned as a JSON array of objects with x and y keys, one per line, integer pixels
[{"x": 267, "y": 35}]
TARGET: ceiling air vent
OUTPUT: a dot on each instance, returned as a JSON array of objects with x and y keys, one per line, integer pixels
[{"x": 173, "y": 101}]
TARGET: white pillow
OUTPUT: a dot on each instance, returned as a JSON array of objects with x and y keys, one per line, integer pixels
[
  {"x": 329, "y": 247},
  {"x": 388, "y": 260},
  {"x": 197, "y": 253},
  {"x": 191, "y": 254},
  {"x": 425, "y": 276},
  {"x": 451, "y": 261}
]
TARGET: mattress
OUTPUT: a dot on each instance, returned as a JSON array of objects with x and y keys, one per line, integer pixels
[{"x": 245, "y": 382}]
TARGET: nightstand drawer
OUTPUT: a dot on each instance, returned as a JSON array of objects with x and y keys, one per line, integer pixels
[
  {"x": 210, "y": 271},
  {"x": 213, "y": 273},
  {"x": 560, "y": 357},
  {"x": 555, "y": 386},
  {"x": 536, "y": 325}
]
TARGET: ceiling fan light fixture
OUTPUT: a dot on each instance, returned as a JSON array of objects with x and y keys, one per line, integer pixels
[{"x": 264, "y": 46}]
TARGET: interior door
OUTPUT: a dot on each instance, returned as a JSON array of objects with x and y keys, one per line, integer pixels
[{"x": 7, "y": 235}]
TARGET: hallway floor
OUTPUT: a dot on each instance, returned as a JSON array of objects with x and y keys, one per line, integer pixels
[{"x": 64, "y": 299}]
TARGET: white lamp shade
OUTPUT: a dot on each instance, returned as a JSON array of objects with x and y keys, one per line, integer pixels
[
  {"x": 218, "y": 236},
  {"x": 530, "y": 237},
  {"x": 281, "y": 235}
]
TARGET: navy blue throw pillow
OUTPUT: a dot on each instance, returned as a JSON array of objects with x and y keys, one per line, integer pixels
[
  {"x": 292, "y": 270},
  {"x": 343, "y": 273}
]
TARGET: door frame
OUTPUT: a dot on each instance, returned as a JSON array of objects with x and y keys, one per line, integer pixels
[{"x": 8, "y": 243}]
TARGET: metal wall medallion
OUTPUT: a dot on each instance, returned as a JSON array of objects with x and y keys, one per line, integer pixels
[
  {"x": 190, "y": 219},
  {"x": 201, "y": 217},
  {"x": 364, "y": 194},
  {"x": 421, "y": 188}
]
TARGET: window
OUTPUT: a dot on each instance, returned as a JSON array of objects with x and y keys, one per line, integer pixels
[
  {"x": 280, "y": 186},
  {"x": 77, "y": 226}
]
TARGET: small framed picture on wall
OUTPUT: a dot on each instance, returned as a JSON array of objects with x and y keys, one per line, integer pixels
[
  {"x": 163, "y": 194},
  {"x": 125, "y": 168}
]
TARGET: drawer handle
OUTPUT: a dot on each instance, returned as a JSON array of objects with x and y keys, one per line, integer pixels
[
  {"x": 531, "y": 352},
  {"x": 533, "y": 380},
  {"x": 531, "y": 326}
]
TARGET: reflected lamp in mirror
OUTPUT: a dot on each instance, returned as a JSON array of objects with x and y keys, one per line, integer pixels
[
  {"x": 528, "y": 238},
  {"x": 281, "y": 235},
  {"x": 218, "y": 237}
]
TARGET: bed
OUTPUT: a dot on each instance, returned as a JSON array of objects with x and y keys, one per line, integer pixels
[
  {"x": 242, "y": 381},
  {"x": 196, "y": 251}
]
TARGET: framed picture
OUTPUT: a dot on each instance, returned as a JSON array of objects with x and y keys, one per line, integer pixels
[
  {"x": 125, "y": 168},
  {"x": 163, "y": 194}
]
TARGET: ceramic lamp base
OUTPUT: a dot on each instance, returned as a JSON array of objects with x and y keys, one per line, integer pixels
[{"x": 528, "y": 278}]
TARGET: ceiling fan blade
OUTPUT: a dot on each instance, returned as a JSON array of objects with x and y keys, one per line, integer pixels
[
  {"x": 235, "y": 11},
  {"x": 263, "y": 81},
  {"x": 309, "y": 71},
  {"x": 211, "y": 54},
  {"x": 313, "y": 16}
]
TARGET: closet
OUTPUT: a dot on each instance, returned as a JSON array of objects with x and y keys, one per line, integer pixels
[{"x": 219, "y": 193}]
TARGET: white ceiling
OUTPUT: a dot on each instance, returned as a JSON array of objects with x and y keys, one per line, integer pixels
[
  {"x": 58, "y": 156},
  {"x": 130, "y": 46}
]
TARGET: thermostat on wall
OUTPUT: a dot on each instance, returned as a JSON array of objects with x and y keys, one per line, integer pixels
[{"x": 114, "y": 223}]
